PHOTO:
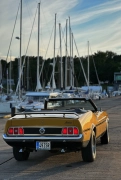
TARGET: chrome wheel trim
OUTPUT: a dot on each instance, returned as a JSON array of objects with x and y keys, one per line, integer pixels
[{"x": 93, "y": 146}]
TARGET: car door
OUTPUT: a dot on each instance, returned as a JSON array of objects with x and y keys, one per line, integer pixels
[{"x": 101, "y": 122}]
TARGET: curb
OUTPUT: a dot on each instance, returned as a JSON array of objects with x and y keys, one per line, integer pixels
[{"x": 7, "y": 116}]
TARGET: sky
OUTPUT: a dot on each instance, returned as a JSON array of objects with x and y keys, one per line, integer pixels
[{"x": 93, "y": 22}]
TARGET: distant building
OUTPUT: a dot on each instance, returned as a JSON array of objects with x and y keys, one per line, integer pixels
[
  {"x": 10, "y": 81},
  {"x": 117, "y": 80}
]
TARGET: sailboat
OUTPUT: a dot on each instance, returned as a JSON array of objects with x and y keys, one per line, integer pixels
[
  {"x": 5, "y": 104},
  {"x": 39, "y": 87},
  {"x": 93, "y": 91},
  {"x": 34, "y": 101},
  {"x": 5, "y": 99}
]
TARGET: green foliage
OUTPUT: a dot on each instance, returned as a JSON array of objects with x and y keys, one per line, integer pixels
[{"x": 106, "y": 64}]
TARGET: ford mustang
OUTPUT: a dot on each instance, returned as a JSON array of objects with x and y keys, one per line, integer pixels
[{"x": 64, "y": 124}]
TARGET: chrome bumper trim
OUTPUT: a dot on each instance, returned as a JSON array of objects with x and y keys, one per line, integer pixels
[{"x": 5, "y": 137}]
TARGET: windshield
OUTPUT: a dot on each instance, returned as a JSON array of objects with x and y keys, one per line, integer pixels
[{"x": 66, "y": 104}]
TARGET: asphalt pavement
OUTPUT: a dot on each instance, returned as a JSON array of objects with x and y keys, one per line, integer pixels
[{"x": 43, "y": 165}]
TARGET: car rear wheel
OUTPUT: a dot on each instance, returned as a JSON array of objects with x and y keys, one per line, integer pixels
[
  {"x": 89, "y": 152},
  {"x": 105, "y": 138},
  {"x": 20, "y": 156}
]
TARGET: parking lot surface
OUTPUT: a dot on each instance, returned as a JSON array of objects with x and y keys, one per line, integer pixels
[{"x": 69, "y": 166}]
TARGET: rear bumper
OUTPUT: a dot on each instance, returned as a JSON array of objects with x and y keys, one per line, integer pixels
[
  {"x": 30, "y": 142},
  {"x": 42, "y": 138}
]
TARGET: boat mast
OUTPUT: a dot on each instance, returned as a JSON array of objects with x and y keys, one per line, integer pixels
[
  {"x": 10, "y": 72},
  {"x": 38, "y": 80},
  {"x": 28, "y": 73},
  {"x": 70, "y": 53},
  {"x": 20, "y": 60},
  {"x": 7, "y": 81},
  {"x": 53, "y": 79},
  {"x": 72, "y": 63},
  {"x": 61, "y": 58},
  {"x": 66, "y": 57},
  {"x": 88, "y": 64}
]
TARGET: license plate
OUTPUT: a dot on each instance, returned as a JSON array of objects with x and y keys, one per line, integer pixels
[{"x": 43, "y": 145}]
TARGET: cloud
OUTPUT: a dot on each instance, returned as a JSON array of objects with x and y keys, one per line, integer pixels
[
  {"x": 95, "y": 12},
  {"x": 99, "y": 24}
]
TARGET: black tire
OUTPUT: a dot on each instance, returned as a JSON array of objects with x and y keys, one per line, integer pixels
[
  {"x": 89, "y": 152},
  {"x": 20, "y": 156},
  {"x": 105, "y": 138}
]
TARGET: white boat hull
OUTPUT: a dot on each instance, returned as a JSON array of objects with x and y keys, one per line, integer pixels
[{"x": 5, "y": 107}]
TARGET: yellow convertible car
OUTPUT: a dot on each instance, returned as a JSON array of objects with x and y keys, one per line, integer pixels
[{"x": 65, "y": 124}]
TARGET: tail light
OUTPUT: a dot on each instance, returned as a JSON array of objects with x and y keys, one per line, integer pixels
[
  {"x": 64, "y": 130},
  {"x": 21, "y": 131},
  {"x": 70, "y": 131},
  {"x": 76, "y": 131},
  {"x": 16, "y": 131},
  {"x": 10, "y": 131}
]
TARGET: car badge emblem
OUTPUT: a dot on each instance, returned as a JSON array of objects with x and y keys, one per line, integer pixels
[{"x": 42, "y": 130}]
